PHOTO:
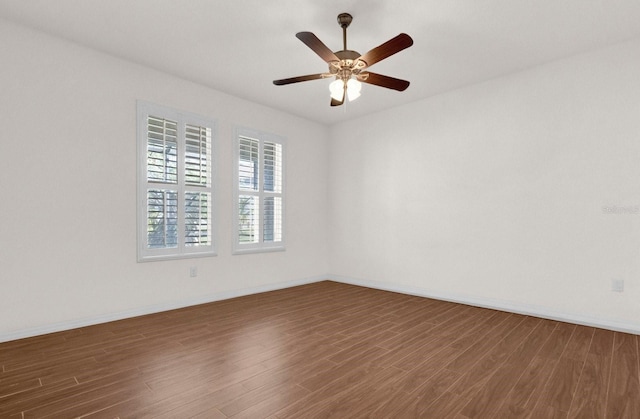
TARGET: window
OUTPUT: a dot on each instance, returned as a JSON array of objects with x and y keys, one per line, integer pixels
[
  {"x": 175, "y": 184},
  {"x": 259, "y": 192}
]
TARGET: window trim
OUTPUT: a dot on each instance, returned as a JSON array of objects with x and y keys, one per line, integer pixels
[
  {"x": 261, "y": 246},
  {"x": 144, "y": 109}
]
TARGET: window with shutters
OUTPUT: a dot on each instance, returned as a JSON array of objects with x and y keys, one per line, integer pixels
[
  {"x": 259, "y": 192},
  {"x": 175, "y": 184}
]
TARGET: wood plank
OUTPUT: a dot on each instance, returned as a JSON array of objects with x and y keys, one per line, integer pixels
[
  {"x": 516, "y": 349},
  {"x": 561, "y": 386},
  {"x": 590, "y": 399},
  {"x": 623, "y": 399},
  {"x": 527, "y": 389}
]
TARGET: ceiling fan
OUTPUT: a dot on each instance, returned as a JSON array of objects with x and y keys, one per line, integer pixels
[{"x": 349, "y": 67}]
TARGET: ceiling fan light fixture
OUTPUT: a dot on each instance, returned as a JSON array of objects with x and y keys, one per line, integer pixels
[
  {"x": 337, "y": 89},
  {"x": 353, "y": 89}
]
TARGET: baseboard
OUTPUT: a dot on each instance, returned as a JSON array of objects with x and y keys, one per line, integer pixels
[
  {"x": 74, "y": 324},
  {"x": 534, "y": 311},
  {"x": 541, "y": 312}
]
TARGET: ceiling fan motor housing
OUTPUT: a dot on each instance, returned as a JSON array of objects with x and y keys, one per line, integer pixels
[{"x": 348, "y": 64}]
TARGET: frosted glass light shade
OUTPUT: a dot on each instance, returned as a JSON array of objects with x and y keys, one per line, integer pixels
[
  {"x": 337, "y": 88},
  {"x": 353, "y": 89}
]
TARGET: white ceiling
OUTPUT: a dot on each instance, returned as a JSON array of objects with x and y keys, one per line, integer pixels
[{"x": 240, "y": 46}]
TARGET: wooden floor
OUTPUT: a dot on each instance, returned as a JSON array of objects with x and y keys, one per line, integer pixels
[{"x": 324, "y": 350}]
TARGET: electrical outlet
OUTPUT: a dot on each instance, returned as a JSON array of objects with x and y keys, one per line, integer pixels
[
  {"x": 193, "y": 271},
  {"x": 617, "y": 285}
]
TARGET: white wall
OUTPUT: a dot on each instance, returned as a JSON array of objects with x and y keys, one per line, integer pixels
[
  {"x": 493, "y": 194},
  {"x": 68, "y": 188}
]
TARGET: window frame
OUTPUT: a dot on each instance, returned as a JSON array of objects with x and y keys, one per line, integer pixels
[
  {"x": 182, "y": 118},
  {"x": 261, "y": 246}
]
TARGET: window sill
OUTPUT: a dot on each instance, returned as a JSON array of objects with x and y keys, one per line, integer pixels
[
  {"x": 244, "y": 251},
  {"x": 174, "y": 257}
]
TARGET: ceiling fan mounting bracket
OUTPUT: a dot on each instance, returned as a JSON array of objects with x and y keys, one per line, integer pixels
[{"x": 344, "y": 20}]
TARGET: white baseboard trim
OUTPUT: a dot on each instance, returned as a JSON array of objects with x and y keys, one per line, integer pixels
[
  {"x": 501, "y": 305},
  {"x": 225, "y": 295}
]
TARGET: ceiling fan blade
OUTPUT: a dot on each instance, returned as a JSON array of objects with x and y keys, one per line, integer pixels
[
  {"x": 317, "y": 46},
  {"x": 383, "y": 81},
  {"x": 301, "y": 78},
  {"x": 386, "y": 50}
]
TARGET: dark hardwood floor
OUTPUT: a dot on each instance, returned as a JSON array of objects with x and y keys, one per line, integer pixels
[{"x": 324, "y": 350}]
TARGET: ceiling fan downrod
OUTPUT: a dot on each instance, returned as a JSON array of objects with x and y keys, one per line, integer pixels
[{"x": 344, "y": 20}]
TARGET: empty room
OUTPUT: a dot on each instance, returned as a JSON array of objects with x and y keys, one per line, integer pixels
[{"x": 300, "y": 209}]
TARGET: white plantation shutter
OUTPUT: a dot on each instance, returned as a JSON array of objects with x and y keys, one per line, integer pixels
[
  {"x": 259, "y": 177},
  {"x": 198, "y": 182},
  {"x": 249, "y": 219},
  {"x": 249, "y": 164},
  {"x": 162, "y": 150},
  {"x": 273, "y": 167},
  {"x": 175, "y": 187},
  {"x": 197, "y": 155},
  {"x": 162, "y": 218},
  {"x": 197, "y": 218},
  {"x": 272, "y": 219},
  {"x": 272, "y": 187}
]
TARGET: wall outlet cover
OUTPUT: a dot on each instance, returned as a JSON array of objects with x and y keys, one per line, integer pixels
[{"x": 617, "y": 285}]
